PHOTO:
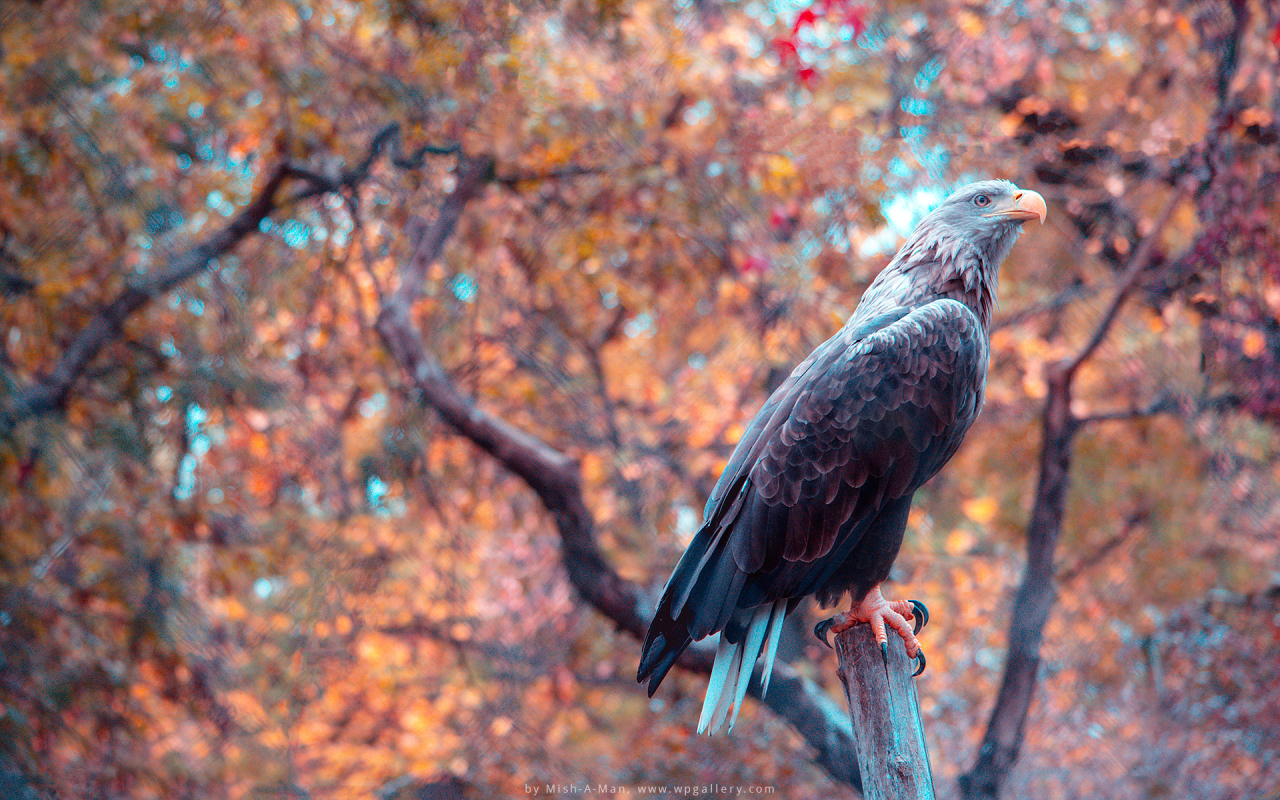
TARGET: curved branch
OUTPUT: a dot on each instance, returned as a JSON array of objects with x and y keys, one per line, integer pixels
[
  {"x": 1141, "y": 260},
  {"x": 555, "y": 478},
  {"x": 1036, "y": 594},
  {"x": 50, "y": 392}
]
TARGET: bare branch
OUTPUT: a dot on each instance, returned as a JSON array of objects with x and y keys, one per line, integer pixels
[
  {"x": 555, "y": 478},
  {"x": 51, "y": 392},
  {"x": 1141, "y": 260}
]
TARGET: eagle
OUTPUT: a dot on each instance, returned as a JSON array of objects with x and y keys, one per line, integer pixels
[{"x": 815, "y": 497}]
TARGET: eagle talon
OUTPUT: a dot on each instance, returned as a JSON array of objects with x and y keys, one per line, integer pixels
[
  {"x": 820, "y": 630},
  {"x": 921, "y": 616},
  {"x": 884, "y": 651},
  {"x": 920, "y": 669}
]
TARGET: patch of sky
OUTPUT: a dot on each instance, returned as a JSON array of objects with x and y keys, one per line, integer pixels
[
  {"x": 1075, "y": 19},
  {"x": 809, "y": 247},
  {"x": 157, "y": 52},
  {"x": 291, "y": 352},
  {"x": 697, "y": 361},
  {"x": 195, "y": 110},
  {"x": 175, "y": 300},
  {"x": 214, "y": 495},
  {"x": 930, "y": 72},
  {"x": 373, "y": 405},
  {"x": 375, "y": 489},
  {"x": 142, "y": 241},
  {"x": 186, "y": 484},
  {"x": 873, "y": 38},
  {"x": 697, "y": 112},
  {"x": 714, "y": 169},
  {"x": 263, "y": 588},
  {"x": 295, "y": 233},
  {"x": 137, "y": 62},
  {"x": 265, "y": 225},
  {"x": 205, "y": 151},
  {"x": 902, "y": 211},
  {"x": 899, "y": 168},
  {"x": 184, "y": 161},
  {"x": 253, "y": 99},
  {"x": 200, "y": 446},
  {"x": 608, "y": 298},
  {"x": 704, "y": 306},
  {"x": 171, "y": 82},
  {"x": 163, "y": 393},
  {"x": 686, "y": 522},
  {"x": 464, "y": 287},
  {"x": 935, "y": 160},
  {"x": 124, "y": 86},
  {"x": 642, "y": 325},
  {"x": 168, "y": 348},
  {"x": 917, "y": 106},
  {"x": 196, "y": 416},
  {"x": 196, "y": 306}
]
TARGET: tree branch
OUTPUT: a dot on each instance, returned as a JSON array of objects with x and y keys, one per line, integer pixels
[
  {"x": 555, "y": 478},
  {"x": 1035, "y": 597},
  {"x": 51, "y": 391},
  {"x": 1142, "y": 258}
]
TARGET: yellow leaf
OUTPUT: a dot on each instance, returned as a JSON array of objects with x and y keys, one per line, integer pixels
[
  {"x": 971, "y": 24},
  {"x": 1254, "y": 343},
  {"x": 981, "y": 510}
]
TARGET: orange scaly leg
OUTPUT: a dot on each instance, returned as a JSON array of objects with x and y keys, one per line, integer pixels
[{"x": 906, "y": 617}]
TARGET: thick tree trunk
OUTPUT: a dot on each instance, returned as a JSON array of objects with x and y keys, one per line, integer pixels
[{"x": 884, "y": 708}]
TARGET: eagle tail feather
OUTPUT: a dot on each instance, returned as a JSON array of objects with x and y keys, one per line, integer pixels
[
  {"x": 776, "y": 618},
  {"x": 735, "y": 662}
]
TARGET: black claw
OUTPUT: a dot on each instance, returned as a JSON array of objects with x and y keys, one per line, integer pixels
[
  {"x": 921, "y": 615},
  {"x": 884, "y": 651},
  {"x": 919, "y": 669},
  {"x": 820, "y": 630}
]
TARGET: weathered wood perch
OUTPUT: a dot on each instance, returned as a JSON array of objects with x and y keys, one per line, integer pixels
[{"x": 888, "y": 735}]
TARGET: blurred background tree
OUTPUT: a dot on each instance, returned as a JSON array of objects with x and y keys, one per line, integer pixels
[{"x": 256, "y": 545}]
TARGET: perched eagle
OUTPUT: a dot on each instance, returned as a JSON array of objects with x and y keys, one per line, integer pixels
[{"x": 814, "y": 499}]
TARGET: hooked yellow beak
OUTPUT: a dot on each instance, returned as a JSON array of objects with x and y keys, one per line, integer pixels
[{"x": 1026, "y": 205}]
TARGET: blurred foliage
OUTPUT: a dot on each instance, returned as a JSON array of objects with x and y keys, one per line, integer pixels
[{"x": 244, "y": 562}]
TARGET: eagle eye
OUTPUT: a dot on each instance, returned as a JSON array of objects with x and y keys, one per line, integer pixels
[{"x": 982, "y": 201}]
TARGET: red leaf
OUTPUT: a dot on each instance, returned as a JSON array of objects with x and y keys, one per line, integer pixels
[
  {"x": 754, "y": 264},
  {"x": 808, "y": 76},
  {"x": 857, "y": 19},
  {"x": 806, "y": 17},
  {"x": 786, "y": 50},
  {"x": 1275, "y": 36}
]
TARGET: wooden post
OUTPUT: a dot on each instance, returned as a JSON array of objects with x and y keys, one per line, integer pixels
[{"x": 887, "y": 732}]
